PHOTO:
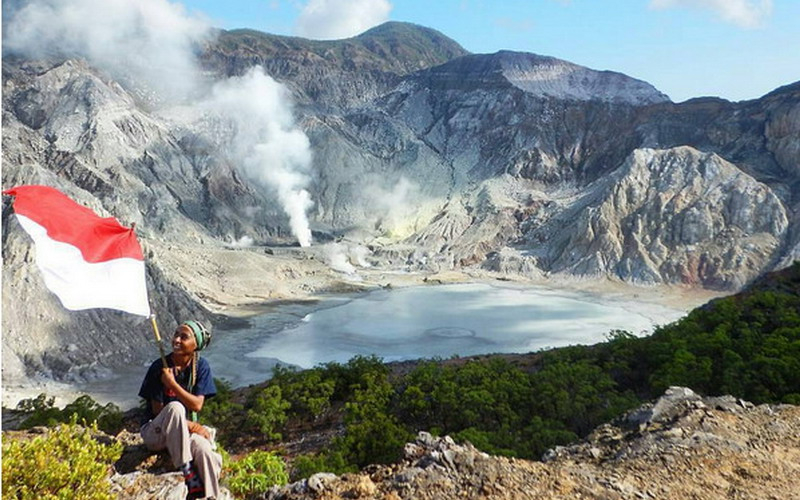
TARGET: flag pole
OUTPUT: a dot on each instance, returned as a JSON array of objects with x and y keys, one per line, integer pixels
[
  {"x": 158, "y": 340},
  {"x": 153, "y": 322}
]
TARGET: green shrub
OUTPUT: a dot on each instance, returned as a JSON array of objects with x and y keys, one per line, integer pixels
[
  {"x": 221, "y": 411},
  {"x": 85, "y": 409},
  {"x": 792, "y": 399},
  {"x": 309, "y": 392},
  {"x": 578, "y": 394},
  {"x": 268, "y": 413},
  {"x": 542, "y": 434},
  {"x": 373, "y": 433},
  {"x": 42, "y": 411},
  {"x": 64, "y": 463},
  {"x": 255, "y": 473},
  {"x": 350, "y": 376},
  {"x": 484, "y": 441},
  {"x": 746, "y": 345}
]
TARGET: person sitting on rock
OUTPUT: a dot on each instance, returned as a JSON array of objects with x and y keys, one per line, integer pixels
[{"x": 174, "y": 395}]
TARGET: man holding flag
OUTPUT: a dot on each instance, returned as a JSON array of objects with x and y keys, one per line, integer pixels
[
  {"x": 92, "y": 262},
  {"x": 174, "y": 394}
]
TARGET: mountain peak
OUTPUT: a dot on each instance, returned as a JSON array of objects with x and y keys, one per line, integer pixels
[
  {"x": 392, "y": 47},
  {"x": 552, "y": 77},
  {"x": 419, "y": 47},
  {"x": 398, "y": 29},
  {"x": 545, "y": 76}
]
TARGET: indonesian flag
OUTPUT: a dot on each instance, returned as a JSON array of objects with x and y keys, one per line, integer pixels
[{"x": 86, "y": 260}]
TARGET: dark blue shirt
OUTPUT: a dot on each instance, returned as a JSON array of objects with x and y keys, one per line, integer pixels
[{"x": 153, "y": 389}]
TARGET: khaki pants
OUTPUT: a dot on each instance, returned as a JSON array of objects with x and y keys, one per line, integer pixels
[{"x": 169, "y": 430}]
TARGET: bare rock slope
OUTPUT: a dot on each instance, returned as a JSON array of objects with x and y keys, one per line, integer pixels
[
  {"x": 675, "y": 215},
  {"x": 682, "y": 446}
]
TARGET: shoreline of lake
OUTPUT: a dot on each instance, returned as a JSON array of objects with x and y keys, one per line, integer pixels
[{"x": 652, "y": 301}]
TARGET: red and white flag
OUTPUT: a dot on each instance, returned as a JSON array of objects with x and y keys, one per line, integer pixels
[{"x": 86, "y": 260}]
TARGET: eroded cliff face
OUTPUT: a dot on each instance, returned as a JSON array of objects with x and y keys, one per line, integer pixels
[
  {"x": 674, "y": 216},
  {"x": 433, "y": 158}
]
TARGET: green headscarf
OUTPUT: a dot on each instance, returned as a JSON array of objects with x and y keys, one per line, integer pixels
[{"x": 201, "y": 334}]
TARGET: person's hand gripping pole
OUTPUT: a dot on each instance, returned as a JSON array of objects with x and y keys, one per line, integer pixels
[{"x": 158, "y": 339}]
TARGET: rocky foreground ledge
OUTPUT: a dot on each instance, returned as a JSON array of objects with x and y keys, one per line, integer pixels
[{"x": 682, "y": 446}]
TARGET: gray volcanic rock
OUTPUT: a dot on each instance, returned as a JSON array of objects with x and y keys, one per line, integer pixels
[
  {"x": 758, "y": 136},
  {"x": 673, "y": 215},
  {"x": 543, "y": 76},
  {"x": 333, "y": 74},
  {"x": 470, "y": 227},
  {"x": 375, "y": 173},
  {"x": 781, "y": 133},
  {"x": 783, "y": 128},
  {"x": 105, "y": 150},
  {"x": 66, "y": 126},
  {"x": 485, "y": 127}
]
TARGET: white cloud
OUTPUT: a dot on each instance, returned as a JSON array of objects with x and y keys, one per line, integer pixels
[
  {"x": 335, "y": 19},
  {"x": 744, "y": 13}
]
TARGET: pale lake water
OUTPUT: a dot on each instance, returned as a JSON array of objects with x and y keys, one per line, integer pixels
[{"x": 407, "y": 323}]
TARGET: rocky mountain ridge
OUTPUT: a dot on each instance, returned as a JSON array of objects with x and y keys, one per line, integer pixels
[
  {"x": 366, "y": 65},
  {"x": 541, "y": 76},
  {"x": 429, "y": 158}
]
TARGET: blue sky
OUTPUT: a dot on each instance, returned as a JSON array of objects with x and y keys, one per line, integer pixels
[{"x": 735, "y": 49}]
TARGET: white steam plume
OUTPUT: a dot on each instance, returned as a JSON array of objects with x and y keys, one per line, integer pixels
[
  {"x": 152, "y": 43},
  {"x": 273, "y": 151},
  {"x": 243, "y": 242},
  {"x": 337, "y": 259},
  {"x": 334, "y": 19},
  {"x": 344, "y": 257},
  {"x": 359, "y": 253},
  {"x": 395, "y": 206},
  {"x": 146, "y": 42}
]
